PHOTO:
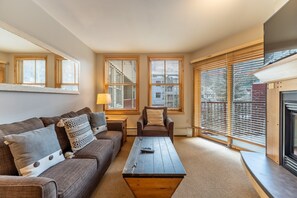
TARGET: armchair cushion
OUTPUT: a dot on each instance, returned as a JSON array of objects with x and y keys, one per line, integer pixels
[
  {"x": 151, "y": 128},
  {"x": 155, "y": 117},
  {"x": 144, "y": 113},
  {"x": 145, "y": 129}
]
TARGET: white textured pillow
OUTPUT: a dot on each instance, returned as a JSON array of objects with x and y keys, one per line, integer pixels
[
  {"x": 155, "y": 117},
  {"x": 79, "y": 131},
  {"x": 35, "y": 151}
]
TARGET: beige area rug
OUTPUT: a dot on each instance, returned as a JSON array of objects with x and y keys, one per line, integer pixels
[{"x": 212, "y": 171}]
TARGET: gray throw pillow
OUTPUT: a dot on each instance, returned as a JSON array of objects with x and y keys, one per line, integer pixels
[
  {"x": 98, "y": 122},
  {"x": 35, "y": 151},
  {"x": 79, "y": 131}
]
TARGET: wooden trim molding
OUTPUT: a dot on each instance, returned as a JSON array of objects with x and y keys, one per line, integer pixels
[{"x": 232, "y": 49}]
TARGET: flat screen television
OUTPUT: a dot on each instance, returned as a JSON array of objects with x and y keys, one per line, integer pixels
[{"x": 280, "y": 33}]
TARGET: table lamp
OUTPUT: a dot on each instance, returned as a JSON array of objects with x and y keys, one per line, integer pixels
[{"x": 103, "y": 98}]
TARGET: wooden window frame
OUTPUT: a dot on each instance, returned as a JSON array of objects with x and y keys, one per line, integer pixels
[
  {"x": 180, "y": 83},
  {"x": 3, "y": 69},
  {"x": 58, "y": 73},
  {"x": 106, "y": 85},
  {"x": 17, "y": 69}
]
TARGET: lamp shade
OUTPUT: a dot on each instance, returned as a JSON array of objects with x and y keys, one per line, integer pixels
[{"x": 103, "y": 98}]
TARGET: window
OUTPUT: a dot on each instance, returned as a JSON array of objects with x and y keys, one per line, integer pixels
[
  {"x": 158, "y": 95},
  {"x": 30, "y": 71},
  {"x": 2, "y": 73},
  {"x": 165, "y": 83},
  {"x": 229, "y": 102},
  {"x": 121, "y": 81},
  {"x": 214, "y": 101},
  {"x": 67, "y": 74}
]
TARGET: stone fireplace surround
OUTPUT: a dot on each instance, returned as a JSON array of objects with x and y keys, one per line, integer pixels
[{"x": 268, "y": 177}]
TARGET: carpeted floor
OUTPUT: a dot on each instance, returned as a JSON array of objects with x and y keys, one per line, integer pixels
[{"x": 212, "y": 171}]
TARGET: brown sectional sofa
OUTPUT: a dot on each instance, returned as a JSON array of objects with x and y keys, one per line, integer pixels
[{"x": 76, "y": 177}]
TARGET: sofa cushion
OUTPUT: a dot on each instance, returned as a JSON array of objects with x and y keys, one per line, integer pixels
[
  {"x": 79, "y": 132},
  {"x": 73, "y": 176},
  {"x": 98, "y": 122},
  {"x": 85, "y": 110},
  {"x": 60, "y": 131},
  {"x": 7, "y": 166},
  {"x": 115, "y": 137},
  {"x": 35, "y": 151},
  {"x": 101, "y": 150}
]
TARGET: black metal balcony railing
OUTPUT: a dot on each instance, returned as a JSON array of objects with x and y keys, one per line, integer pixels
[
  {"x": 214, "y": 116},
  {"x": 248, "y": 119}
]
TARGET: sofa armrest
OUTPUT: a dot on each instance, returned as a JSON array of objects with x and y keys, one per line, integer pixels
[
  {"x": 27, "y": 187},
  {"x": 139, "y": 126},
  {"x": 170, "y": 127},
  {"x": 115, "y": 126}
]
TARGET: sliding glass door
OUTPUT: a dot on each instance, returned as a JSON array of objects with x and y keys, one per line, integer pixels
[{"x": 229, "y": 101}]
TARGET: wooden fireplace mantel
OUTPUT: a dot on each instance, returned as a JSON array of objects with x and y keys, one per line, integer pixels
[{"x": 282, "y": 70}]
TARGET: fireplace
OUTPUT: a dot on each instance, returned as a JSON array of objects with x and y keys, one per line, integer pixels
[{"x": 288, "y": 132}]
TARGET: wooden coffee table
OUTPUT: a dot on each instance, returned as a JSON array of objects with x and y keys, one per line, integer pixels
[{"x": 155, "y": 174}]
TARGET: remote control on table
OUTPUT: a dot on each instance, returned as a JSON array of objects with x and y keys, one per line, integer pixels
[{"x": 147, "y": 150}]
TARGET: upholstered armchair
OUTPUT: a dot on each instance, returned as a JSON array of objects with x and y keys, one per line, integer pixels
[{"x": 155, "y": 122}]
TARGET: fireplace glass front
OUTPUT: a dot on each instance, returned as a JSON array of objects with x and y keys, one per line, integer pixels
[{"x": 289, "y": 131}]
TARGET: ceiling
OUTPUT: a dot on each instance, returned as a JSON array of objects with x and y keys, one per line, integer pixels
[
  {"x": 11, "y": 43},
  {"x": 157, "y": 26}
]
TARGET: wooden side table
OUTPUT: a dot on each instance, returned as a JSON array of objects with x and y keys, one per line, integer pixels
[{"x": 122, "y": 120}]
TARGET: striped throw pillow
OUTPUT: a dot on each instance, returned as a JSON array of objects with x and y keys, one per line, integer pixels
[
  {"x": 79, "y": 131},
  {"x": 155, "y": 117}
]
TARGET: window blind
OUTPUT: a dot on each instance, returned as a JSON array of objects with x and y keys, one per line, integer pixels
[
  {"x": 249, "y": 103},
  {"x": 241, "y": 114},
  {"x": 214, "y": 100}
]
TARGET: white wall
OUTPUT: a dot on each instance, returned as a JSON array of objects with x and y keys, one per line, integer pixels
[
  {"x": 182, "y": 121},
  {"x": 241, "y": 38},
  {"x": 30, "y": 19}
]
